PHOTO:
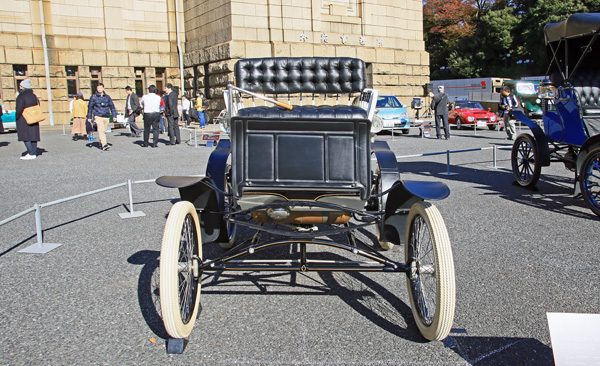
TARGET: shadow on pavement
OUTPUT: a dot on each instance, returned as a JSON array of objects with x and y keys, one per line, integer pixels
[
  {"x": 482, "y": 351},
  {"x": 148, "y": 290},
  {"x": 553, "y": 193}
]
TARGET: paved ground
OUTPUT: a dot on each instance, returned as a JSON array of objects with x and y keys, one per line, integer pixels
[{"x": 518, "y": 255}]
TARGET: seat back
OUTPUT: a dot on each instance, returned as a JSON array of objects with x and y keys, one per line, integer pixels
[
  {"x": 317, "y": 155},
  {"x": 293, "y": 75},
  {"x": 587, "y": 86}
]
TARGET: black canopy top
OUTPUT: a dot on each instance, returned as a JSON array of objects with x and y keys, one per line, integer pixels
[{"x": 579, "y": 24}]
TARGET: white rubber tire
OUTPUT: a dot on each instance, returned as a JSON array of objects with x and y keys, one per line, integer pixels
[
  {"x": 445, "y": 288},
  {"x": 170, "y": 273}
]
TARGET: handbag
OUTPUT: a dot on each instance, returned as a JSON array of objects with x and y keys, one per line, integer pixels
[{"x": 33, "y": 114}]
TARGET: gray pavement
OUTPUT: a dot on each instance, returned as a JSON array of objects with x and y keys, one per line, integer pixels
[{"x": 93, "y": 300}]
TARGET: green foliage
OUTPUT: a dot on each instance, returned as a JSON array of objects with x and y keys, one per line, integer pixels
[{"x": 479, "y": 38}]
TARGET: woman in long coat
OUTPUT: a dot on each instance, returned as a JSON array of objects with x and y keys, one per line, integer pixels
[{"x": 29, "y": 134}]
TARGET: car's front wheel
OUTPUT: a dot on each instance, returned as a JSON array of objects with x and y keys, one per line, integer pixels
[{"x": 459, "y": 123}]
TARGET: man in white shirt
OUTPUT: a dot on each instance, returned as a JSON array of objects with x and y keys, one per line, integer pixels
[
  {"x": 151, "y": 107},
  {"x": 185, "y": 109}
]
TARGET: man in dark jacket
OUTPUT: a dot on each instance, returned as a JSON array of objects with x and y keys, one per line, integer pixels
[
  {"x": 439, "y": 104},
  {"x": 100, "y": 108},
  {"x": 172, "y": 115},
  {"x": 132, "y": 110}
]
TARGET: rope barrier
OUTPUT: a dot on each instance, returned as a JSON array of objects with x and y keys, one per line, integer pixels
[{"x": 41, "y": 247}]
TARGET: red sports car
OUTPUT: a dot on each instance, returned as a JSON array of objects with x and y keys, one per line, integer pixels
[{"x": 467, "y": 113}]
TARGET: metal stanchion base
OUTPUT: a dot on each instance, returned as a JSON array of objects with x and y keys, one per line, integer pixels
[
  {"x": 129, "y": 215},
  {"x": 448, "y": 173},
  {"x": 39, "y": 249}
]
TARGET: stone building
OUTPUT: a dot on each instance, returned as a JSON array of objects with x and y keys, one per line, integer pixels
[{"x": 137, "y": 43}]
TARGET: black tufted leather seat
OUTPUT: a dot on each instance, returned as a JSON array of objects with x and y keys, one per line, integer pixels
[
  {"x": 309, "y": 148},
  {"x": 293, "y": 75},
  {"x": 588, "y": 87}
]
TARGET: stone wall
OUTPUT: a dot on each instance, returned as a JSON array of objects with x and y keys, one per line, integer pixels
[
  {"x": 116, "y": 36},
  {"x": 120, "y": 36},
  {"x": 387, "y": 35}
]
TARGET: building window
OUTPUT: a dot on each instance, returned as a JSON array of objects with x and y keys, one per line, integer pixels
[
  {"x": 72, "y": 81},
  {"x": 20, "y": 74},
  {"x": 160, "y": 79},
  {"x": 139, "y": 81},
  {"x": 96, "y": 74}
]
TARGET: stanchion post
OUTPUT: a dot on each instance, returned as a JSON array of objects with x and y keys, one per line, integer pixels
[
  {"x": 448, "y": 172},
  {"x": 40, "y": 247},
  {"x": 495, "y": 159},
  {"x": 131, "y": 213}
]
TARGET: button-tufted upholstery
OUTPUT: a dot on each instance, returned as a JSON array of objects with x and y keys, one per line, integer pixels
[
  {"x": 588, "y": 87},
  {"x": 293, "y": 75}
]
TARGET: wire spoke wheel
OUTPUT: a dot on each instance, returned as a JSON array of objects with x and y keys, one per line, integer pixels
[
  {"x": 179, "y": 277},
  {"x": 590, "y": 180},
  {"x": 525, "y": 162},
  {"x": 430, "y": 281}
]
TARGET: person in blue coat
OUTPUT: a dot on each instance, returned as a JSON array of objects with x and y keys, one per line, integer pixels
[
  {"x": 100, "y": 107},
  {"x": 29, "y": 134}
]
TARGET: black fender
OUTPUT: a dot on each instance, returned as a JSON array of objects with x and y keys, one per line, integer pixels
[
  {"x": 400, "y": 200},
  {"x": 388, "y": 170},
  {"x": 587, "y": 146},
  {"x": 539, "y": 135},
  {"x": 200, "y": 191},
  {"x": 215, "y": 169},
  {"x": 403, "y": 194}
]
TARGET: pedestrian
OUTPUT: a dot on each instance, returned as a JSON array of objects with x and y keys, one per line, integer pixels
[
  {"x": 71, "y": 104},
  {"x": 185, "y": 109},
  {"x": 132, "y": 110},
  {"x": 1, "y": 125},
  {"x": 29, "y": 134},
  {"x": 508, "y": 103},
  {"x": 151, "y": 107},
  {"x": 79, "y": 113},
  {"x": 172, "y": 115},
  {"x": 100, "y": 107},
  {"x": 439, "y": 104},
  {"x": 201, "y": 104},
  {"x": 161, "y": 94}
]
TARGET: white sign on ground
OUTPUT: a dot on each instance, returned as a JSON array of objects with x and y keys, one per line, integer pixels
[{"x": 575, "y": 338}]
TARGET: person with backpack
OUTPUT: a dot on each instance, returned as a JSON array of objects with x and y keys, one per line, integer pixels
[{"x": 100, "y": 108}]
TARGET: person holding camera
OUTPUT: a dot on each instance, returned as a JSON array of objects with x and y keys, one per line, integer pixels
[{"x": 100, "y": 108}]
